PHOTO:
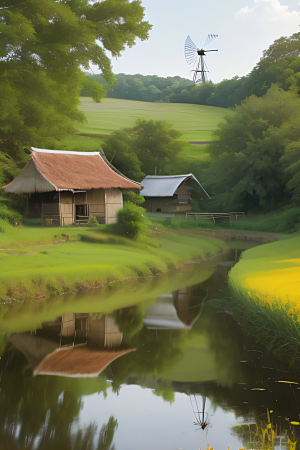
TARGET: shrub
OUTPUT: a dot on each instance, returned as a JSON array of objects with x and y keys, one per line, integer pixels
[
  {"x": 132, "y": 197},
  {"x": 93, "y": 221},
  {"x": 131, "y": 220},
  {"x": 11, "y": 216}
]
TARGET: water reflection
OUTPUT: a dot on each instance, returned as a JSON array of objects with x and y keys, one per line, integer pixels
[
  {"x": 202, "y": 418},
  {"x": 74, "y": 345},
  {"x": 86, "y": 380}
]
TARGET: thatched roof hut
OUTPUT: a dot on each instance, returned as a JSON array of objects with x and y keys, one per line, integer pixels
[{"x": 81, "y": 180}]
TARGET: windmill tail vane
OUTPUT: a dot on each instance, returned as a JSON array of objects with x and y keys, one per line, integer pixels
[{"x": 195, "y": 57}]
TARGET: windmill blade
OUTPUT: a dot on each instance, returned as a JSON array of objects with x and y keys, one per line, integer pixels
[
  {"x": 190, "y": 51},
  {"x": 210, "y": 38}
]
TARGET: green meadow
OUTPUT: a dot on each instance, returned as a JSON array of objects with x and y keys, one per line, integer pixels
[
  {"x": 35, "y": 261},
  {"x": 196, "y": 122}
]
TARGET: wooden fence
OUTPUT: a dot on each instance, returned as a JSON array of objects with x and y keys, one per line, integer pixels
[{"x": 216, "y": 217}]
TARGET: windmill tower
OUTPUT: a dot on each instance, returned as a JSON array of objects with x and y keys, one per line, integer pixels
[{"x": 195, "y": 56}]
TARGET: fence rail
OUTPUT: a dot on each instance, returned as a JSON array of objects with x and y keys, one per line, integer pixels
[{"x": 220, "y": 217}]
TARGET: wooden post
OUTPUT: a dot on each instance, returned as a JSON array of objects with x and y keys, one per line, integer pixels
[
  {"x": 59, "y": 210},
  {"x": 74, "y": 212}
]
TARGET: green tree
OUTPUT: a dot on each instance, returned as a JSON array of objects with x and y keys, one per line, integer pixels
[
  {"x": 156, "y": 145},
  {"x": 246, "y": 169},
  {"x": 291, "y": 161},
  {"x": 43, "y": 45},
  {"x": 150, "y": 147},
  {"x": 118, "y": 148}
]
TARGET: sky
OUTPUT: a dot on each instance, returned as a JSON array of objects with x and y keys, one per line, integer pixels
[{"x": 244, "y": 27}]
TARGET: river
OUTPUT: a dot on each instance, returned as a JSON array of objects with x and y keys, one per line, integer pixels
[{"x": 172, "y": 370}]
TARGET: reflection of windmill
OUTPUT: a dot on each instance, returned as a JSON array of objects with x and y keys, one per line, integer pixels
[
  {"x": 195, "y": 56},
  {"x": 201, "y": 416}
]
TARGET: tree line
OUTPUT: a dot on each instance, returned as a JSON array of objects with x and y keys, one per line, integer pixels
[
  {"x": 279, "y": 64},
  {"x": 146, "y": 88}
]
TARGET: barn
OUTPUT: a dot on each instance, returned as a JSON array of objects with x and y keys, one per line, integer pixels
[
  {"x": 65, "y": 187},
  {"x": 169, "y": 194}
]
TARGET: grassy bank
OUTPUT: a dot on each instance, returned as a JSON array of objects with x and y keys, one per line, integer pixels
[
  {"x": 265, "y": 287},
  {"x": 277, "y": 222},
  {"x": 196, "y": 122},
  {"x": 38, "y": 262}
]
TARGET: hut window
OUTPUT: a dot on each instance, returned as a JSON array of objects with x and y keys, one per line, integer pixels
[{"x": 50, "y": 197}]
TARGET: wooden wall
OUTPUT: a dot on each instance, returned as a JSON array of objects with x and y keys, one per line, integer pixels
[
  {"x": 66, "y": 208},
  {"x": 113, "y": 202},
  {"x": 101, "y": 203},
  {"x": 96, "y": 202},
  {"x": 184, "y": 191}
]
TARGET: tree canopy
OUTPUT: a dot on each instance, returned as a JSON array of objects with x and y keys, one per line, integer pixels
[
  {"x": 149, "y": 147},
  {"x": 250, "y": 151},
  {"x": 146, "y": 88},
  {"x": 43, "y": 45}
]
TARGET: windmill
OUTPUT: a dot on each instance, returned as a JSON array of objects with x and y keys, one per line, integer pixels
[{"x": 195, "y": 56}]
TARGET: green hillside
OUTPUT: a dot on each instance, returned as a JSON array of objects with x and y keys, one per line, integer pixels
[{"x": 196, "y": 122}]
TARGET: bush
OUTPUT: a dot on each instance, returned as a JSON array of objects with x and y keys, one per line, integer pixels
[
  {"x": 93, "y": 221},
  {"x": 131, "y": 220},
  {"x": 132, "y": 197},
  {"x": 11, "y": 216}
]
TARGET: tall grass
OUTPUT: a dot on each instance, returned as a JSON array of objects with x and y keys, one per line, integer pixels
[
  {"x": 270, "y": 324},
  {"x": 265, "y": 295}
]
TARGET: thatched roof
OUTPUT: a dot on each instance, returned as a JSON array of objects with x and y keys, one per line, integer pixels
[
  {"x": 77, "y": 362},
  {"x": 56, "y": 170},
  {"x": 166, "y": 185}
]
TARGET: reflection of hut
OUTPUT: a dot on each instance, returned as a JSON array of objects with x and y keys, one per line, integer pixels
[
  {"x": 77, "y": 362},
  {"x": 172, "y": 312},
  {"x": 182, "y": 303},
  {"x": 169, "y": 194},
  {"x": 70, "y": 187},
  {"x": 76, "y": 345},
  {"x": 100, "y": 332}
]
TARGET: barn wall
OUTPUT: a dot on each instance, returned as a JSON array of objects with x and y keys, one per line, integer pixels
[
  {"x": 184, "y": 191},
  {"x": 113, "y": 202},
  {"x": 166, "y": 204}
]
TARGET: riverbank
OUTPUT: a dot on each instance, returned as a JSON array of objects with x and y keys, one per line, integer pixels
[
  {"x": 265, "y": 288},
  {"x": 40, "y": 262}
]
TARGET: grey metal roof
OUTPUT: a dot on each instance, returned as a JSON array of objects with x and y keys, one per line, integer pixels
[{"x": 165, "y": 186}]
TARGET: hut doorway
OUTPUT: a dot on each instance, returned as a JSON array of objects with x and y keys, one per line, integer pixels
[{"x": 82, "y": 213}]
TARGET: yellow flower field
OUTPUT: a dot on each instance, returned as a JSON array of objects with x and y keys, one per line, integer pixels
[{"x": 271, "y": 274}]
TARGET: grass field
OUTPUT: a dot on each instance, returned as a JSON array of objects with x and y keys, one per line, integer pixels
[
  {"x": 35, "y": 263},
  {"x": 196, "y": 122}
]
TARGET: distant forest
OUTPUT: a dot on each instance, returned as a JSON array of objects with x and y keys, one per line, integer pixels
[
  {"x": 279, "y": 64},
  {"x": 146, "y": 88}
]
